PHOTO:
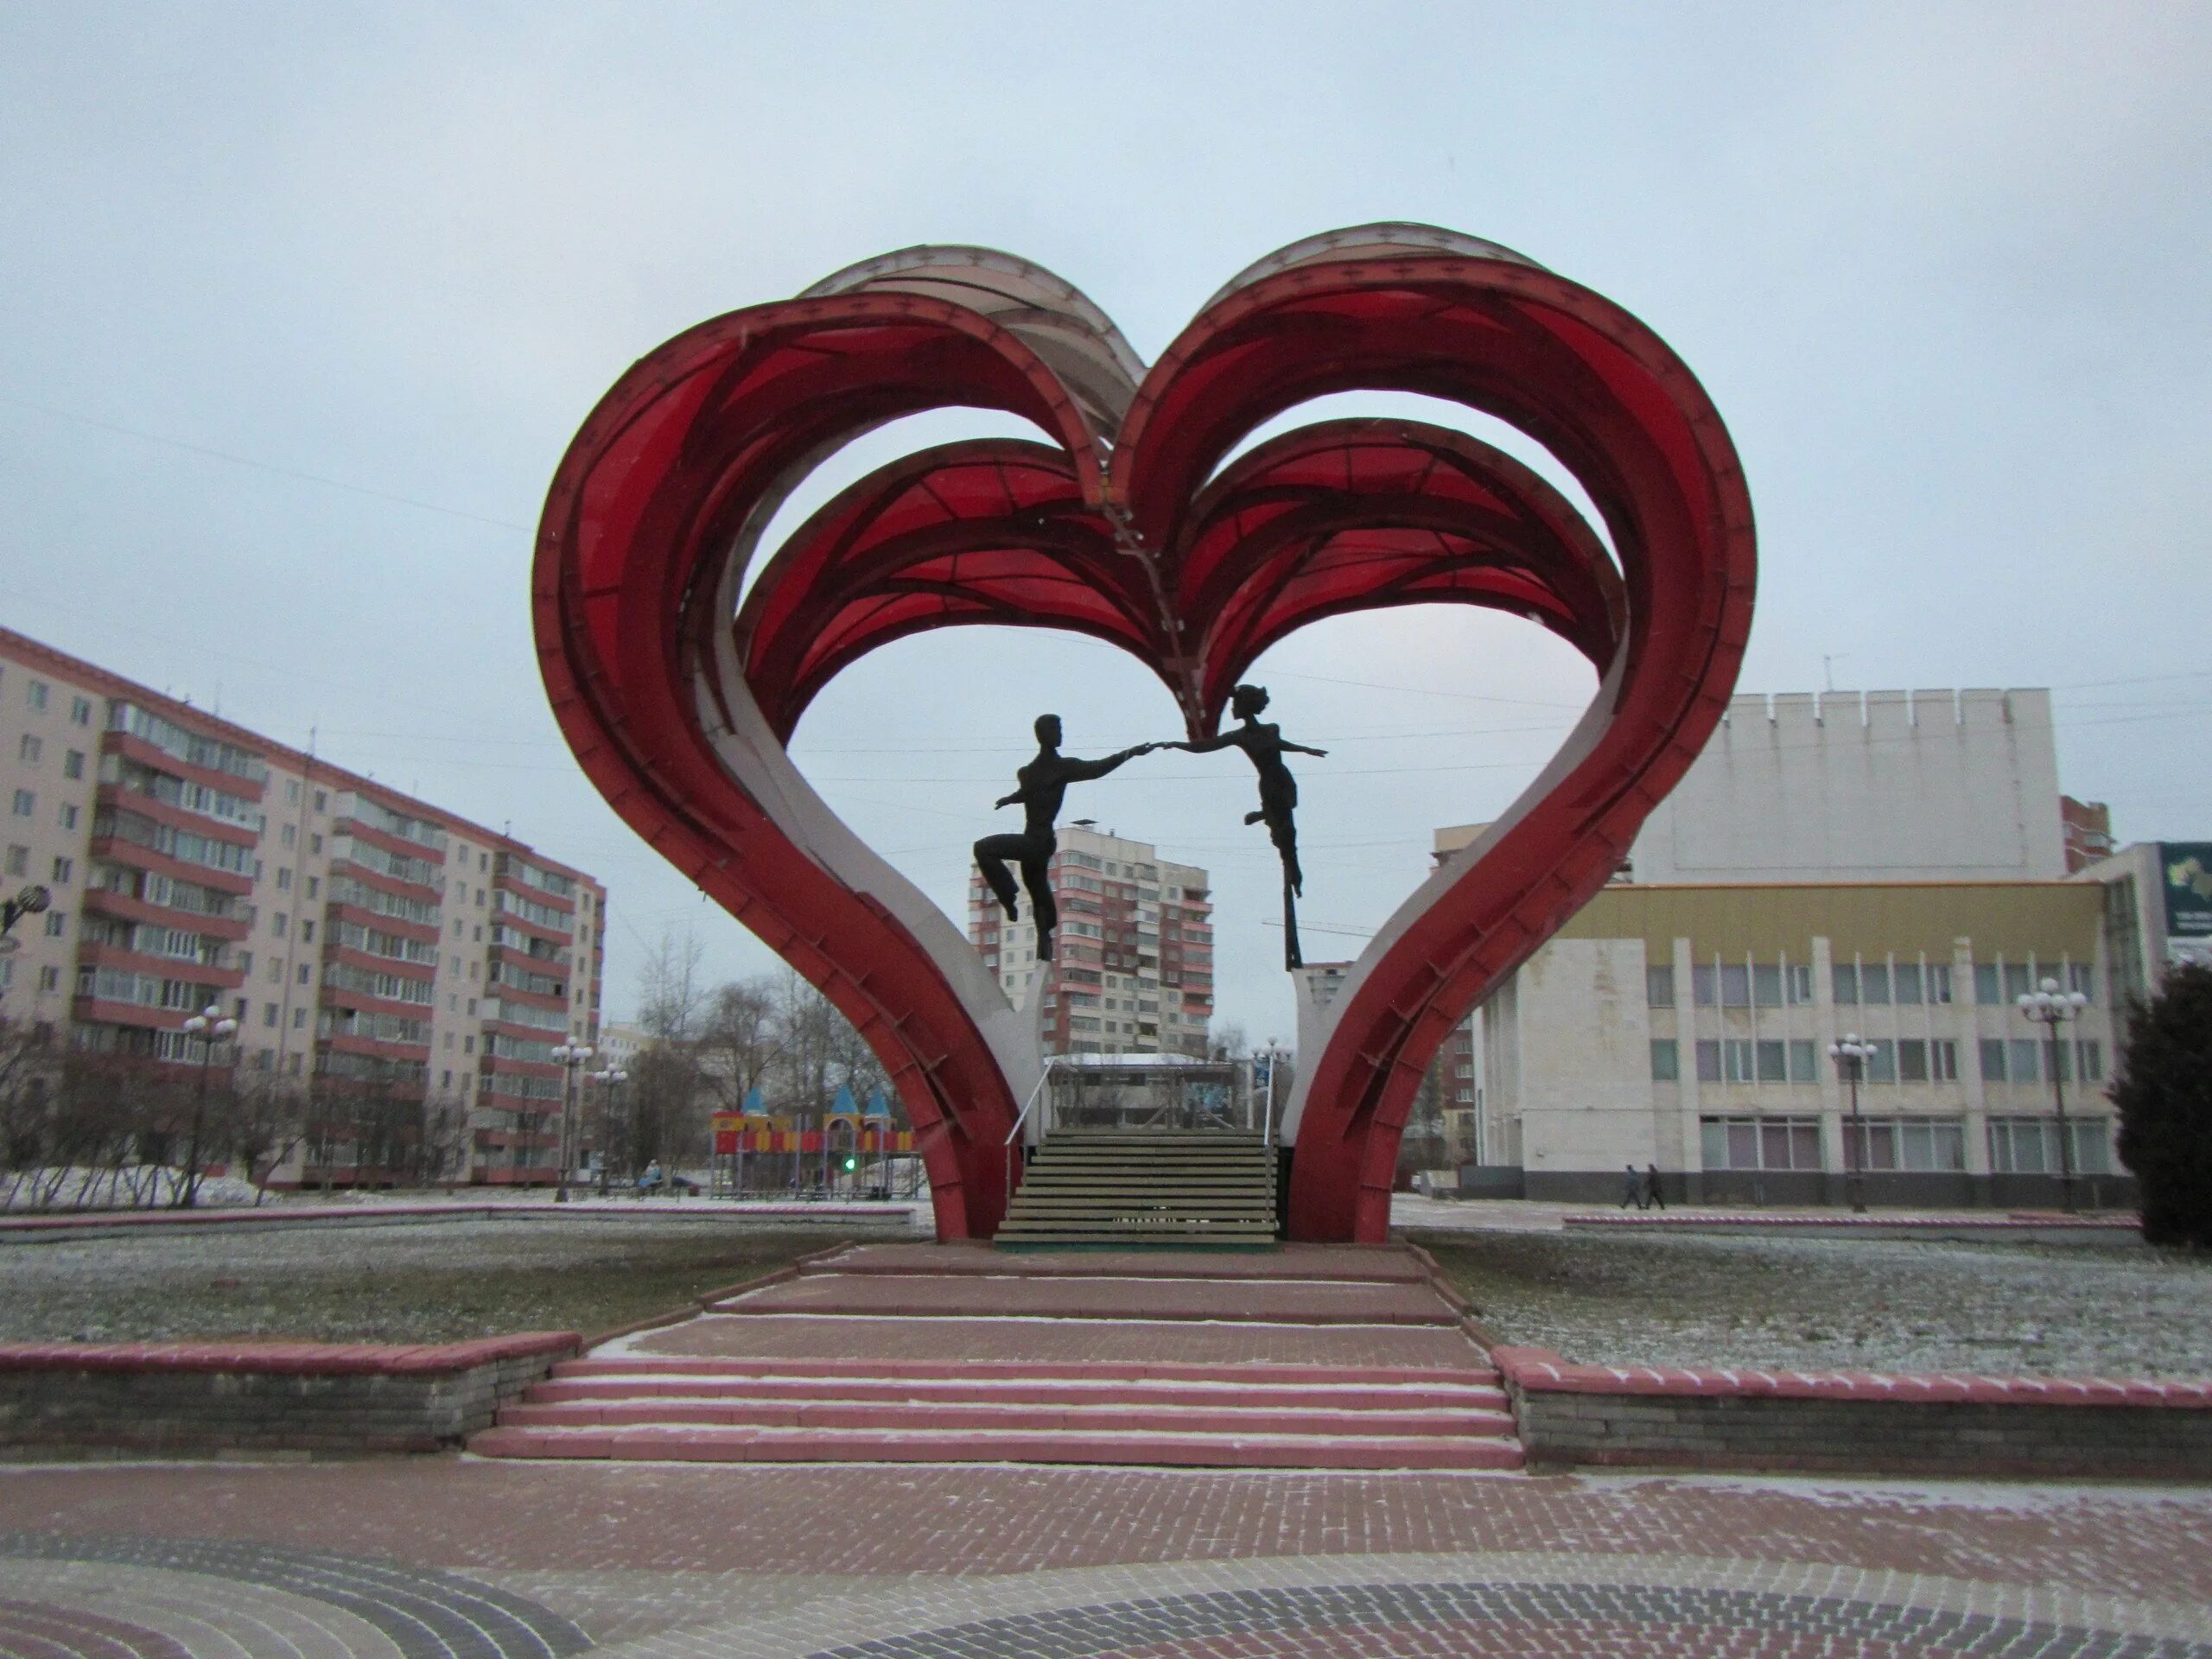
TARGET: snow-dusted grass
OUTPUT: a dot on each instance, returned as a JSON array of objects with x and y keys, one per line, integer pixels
[
  {"x": 430, "y": 1281},
  {"x": 126, "y": 1187},
  {"x": 2117, "y": 1309}
]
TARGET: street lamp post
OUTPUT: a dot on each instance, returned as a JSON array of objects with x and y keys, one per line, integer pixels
[
  {"x": 2050, "y": 1008},
  {"x": 1851, "y": 1057},
  {"x": 570, "y": 1056},
  {"x": 610, "y": 1079},
  {"x": 212, "y": 1028}
]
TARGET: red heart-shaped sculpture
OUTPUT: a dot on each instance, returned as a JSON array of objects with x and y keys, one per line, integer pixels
[{"x": 678, "y": 701}]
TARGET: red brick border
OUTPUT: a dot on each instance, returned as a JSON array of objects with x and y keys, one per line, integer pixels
[
  {"x": 336, "y": 1215},
  {"x": 1865, "y": 1421},
  {"x": 1762, "y": 1221}
]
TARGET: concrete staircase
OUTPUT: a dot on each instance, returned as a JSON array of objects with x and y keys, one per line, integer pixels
[
  {"x": 1118, "y": 1187},
  {"x": 1244, "y": 1416}
]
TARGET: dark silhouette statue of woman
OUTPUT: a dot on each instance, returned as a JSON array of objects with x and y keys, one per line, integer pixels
[
  {"x": 1265, "y": 746},
  {"x": 1042, "y": 784}
]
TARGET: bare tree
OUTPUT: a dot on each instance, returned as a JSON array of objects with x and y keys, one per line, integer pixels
[
  {"x": 673, "y": 995},
  {"x": 264, "y": 1124},
  {"x": 805, "y": 1072},
  {"x": 739, "y": 1040}
]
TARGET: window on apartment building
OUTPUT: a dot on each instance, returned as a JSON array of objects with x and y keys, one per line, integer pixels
[
  {"x": 457, "y": 925},
  {"x": 35, "y": 693},
  {"x": 276, "y": 970},
  {"x": 1705, "y": 984},
  {"x": 1939, "y": 982},
  {"x": 1843, "y": 986},
  {"x": 2080, "y": 977},
  {"x": 471, "y": 969},
  {"x": 468, "y": 1045},
  {"x": 63, "y": 869},
  {"x": 479, "y": 936},
  {"x": 314, "y": 843},
  {"x": 73, "y": 763},
  {"x": 449, "y": 1042},
  {"x": 80, "y": 711},
  {"x": 1766, "y": 984},
  {"x": 49, "y": 978},
  {"x": 1804, "y": 1064},
  {"x": 269, "y": 1015},
  {"x": 279, "y": 922},
  {"x": 2024, "y": 1059},
  {"x": 245, "y": 962},
  {"x": 1735, "y": 985},
  {"x": 307, "y": 932},
  {"x": 1708, "y": 1060},
  {"x": 283, "y": 881},
  {"x": 1773, "y": 1061},
  {"x": 299, "y": 1022},
  {"x": 26, "y": 803},
  {"x": 1942, "y": 1060},
  {"x": 289, "y": 836},
  {"x": 306, "y": 973},
  {"x": 2090, "y": 1057},
  {"x": 68, "y": 817},
  {"x": 2019, "y": 980},
  {"x": 27, "y": 749},
  {"x": 1906, "y": 984},
  {"x": 445, "y": 1079},
  {"x": 1882, "y": 1064},
  {"x": 1993, "y": 1059},
  {"x": 321, "y": 802},
  {"x": 1760, "y": 1143},
  {"x": 2028, "y": 1145},
  {"x": 19, "y": 861},
  {"x": 57, "y": 923},
  {"x": 1987, "y": 990},
  {"x": 1913, "y": 1060},
  {"x": 1874, "y": 983},
  {"x": 1905, "y": 1143}
]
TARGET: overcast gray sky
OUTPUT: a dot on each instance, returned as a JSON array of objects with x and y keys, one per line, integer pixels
[{"x": 1944, "y": 268}]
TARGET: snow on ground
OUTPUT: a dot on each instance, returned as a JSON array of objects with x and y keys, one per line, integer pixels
[
  {"x": 129, "y": 1187},
  {"x": 2012, "y": 1306},
  {"x": 426, "y": 1280}
]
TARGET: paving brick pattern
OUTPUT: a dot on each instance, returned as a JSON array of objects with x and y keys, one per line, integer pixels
[
  {"x": 1631, "y": 1621},
  {"x": 480, "y": 1560}
]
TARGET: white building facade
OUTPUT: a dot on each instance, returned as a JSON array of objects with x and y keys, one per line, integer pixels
[{"x": 1883, "y": 865}]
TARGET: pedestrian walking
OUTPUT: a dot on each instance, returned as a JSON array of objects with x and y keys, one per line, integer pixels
[
  {"x": 1631, "y": 1188},
  {"x": 1651, "y": 1192}
]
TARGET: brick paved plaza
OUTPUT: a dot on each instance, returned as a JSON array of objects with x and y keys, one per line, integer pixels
[
  {"x": 464, "y": 1556},
  {"x": 482, "y": 1557}
]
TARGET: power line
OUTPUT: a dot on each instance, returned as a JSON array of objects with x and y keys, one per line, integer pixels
[{"x": 231, "y": 458}]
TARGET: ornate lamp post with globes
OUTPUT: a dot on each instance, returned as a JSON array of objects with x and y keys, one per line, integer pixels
[
  {"x": 211, "y": 1028},
  {"x": 1851, "y": 1057},
  {"x": 570, "y": 1057},
  {"x": 2050, "y": 1008}
]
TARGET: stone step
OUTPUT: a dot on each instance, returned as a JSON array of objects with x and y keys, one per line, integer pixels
[
  {"x": 940, "y": 1416},
  {"x": 705, "y": 1443},
  {"x": 1253, "y": 1374},
  {"x": 646, "y": 1387}
]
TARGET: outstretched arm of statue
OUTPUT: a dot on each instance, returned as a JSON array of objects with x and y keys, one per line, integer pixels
[
  {"x": 1299, "y": 749},
  {"x": 1205, "y": 745},
  {"x": 1010, "y": 800},
  {"x": 1079, "y": 772}
]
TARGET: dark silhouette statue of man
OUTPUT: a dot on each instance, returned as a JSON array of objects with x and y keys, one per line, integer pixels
[{"x": 1044, "y": 782}]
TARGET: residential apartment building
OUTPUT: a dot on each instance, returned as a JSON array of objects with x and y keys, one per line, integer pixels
[
  {"x": 362, "y": 940},
  {"x": 1134, "y": 973},
  {"x": 1888, "y": 865}
]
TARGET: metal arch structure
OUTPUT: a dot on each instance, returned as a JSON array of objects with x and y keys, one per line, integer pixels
[{"x": 1121, "y": 522}]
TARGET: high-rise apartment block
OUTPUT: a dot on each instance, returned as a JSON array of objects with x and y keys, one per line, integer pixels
[
  {"x": 1134, "y": 973},
  {"x": 362, "y": 940}
]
